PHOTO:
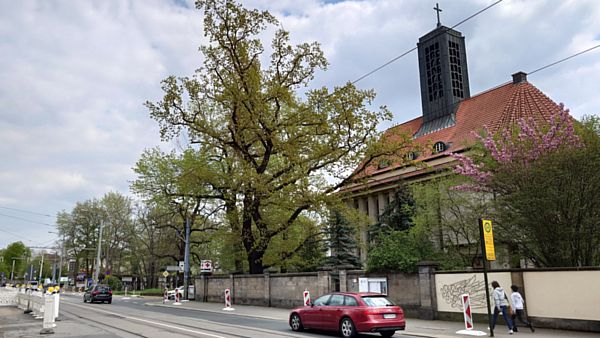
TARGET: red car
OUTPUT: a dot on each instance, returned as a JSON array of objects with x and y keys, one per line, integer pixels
[{"x": 350, "y": 313}]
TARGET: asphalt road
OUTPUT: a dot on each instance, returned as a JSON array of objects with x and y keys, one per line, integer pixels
[{"x": 133, "y": 318}]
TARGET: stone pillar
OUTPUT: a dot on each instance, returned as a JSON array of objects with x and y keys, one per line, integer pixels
[
  {"x": 232, "y": 287},
  {"x": 267, "y": 294},
  {"x": 343, "y": 281},
  {"x": 200, "y": 288},
  {"x": 382, "y": 202},
  {"x": 362, "y": 247},
  {"x": 323, "y": 282},
  {"x": 391, "y": 194},
  {"x": 373, "y": 211},
  {"x": 427, "y": 291}
]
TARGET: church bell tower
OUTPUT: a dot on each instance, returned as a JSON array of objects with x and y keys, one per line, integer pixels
[{"x": 443, "y": 75}]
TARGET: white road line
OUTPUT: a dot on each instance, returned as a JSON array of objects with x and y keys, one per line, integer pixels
[{"x": 150, "y": 322}]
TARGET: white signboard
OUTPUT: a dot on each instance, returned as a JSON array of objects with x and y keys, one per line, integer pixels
[
  {"x": 378, "y": 285},
  {"x": 206, "y": 266},
  {"x": 127, "y": 279},
  {"x": 181, "y": 266}
]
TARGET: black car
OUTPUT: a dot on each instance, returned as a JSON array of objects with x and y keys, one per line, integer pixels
[{"x": 98, "y": 293}]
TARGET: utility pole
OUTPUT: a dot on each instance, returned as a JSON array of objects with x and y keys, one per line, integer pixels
[
  {"x": 12, "y": 272},
  {"x": 99, "y": 251},
  {"x": 41, "y": 268},
  {"x": 186, "y": 259},
  {"x": 61, "y": 260}
]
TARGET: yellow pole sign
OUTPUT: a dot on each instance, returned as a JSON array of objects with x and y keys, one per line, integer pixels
[
  {"x": 165, "y": 274},
  {"x": 488, "y": 238}
]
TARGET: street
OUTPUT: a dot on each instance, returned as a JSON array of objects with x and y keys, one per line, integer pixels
[{"x": 135, "y": 317}]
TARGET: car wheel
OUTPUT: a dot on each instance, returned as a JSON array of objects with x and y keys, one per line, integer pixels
[
  {"x": 84, "y": 300},
  {"x": 296, "y": 322},
  {"x": 347, "y": 328},
  {"x": 110, "y": 301},
  {"x": 387, "y": 333}
]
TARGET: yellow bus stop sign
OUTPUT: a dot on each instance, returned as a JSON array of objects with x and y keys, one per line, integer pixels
[{"x": 488, "y": 238}]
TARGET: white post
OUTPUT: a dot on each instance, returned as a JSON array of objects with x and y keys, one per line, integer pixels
[{"x": 56, "y": 302}]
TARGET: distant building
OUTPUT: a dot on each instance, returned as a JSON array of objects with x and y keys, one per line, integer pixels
[{"x": 450, "y": 115}]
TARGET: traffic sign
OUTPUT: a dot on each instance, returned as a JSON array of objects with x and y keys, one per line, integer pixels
[
  {"x": 166, "y": 274},
  {"x": 488, "y": 238}
]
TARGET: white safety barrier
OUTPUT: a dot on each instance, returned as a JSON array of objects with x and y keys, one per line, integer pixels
[
  {"x": 228, "y": 301},
  {"x": 177, "y": 297},
  {"x": 48, "y": 305},
  {"x": 306, "y": 296},
  {"x": 8, "y": 296}
]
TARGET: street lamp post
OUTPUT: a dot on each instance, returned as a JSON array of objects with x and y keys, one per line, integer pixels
[
  {"x": 98, "y": 255},
  {"x": 12, "y": 272}
]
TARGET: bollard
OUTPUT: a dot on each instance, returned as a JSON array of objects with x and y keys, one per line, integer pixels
[
  {"x": 228, "y": 301},
  {"x": 306, "y": 296},
  {"x": 56, "y": 301},
  {"x": 28, "y": 309},
  {"x": 165, "y": 295},
  {"x": 48, "y": 325}
]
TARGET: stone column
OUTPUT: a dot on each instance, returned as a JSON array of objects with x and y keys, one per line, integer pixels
[
  {"x": 267, "y": 294},
  {"x": 391, "y": 193},
  {"x": 382, "y": 202},
  {"x": 323, "y": 282},
  {"x": 427, "y": 290},
  {"x": 232, "y": 287},
  {"x": 343, "y": 281},
  {"x": 373, "y": 211},
  {"x": 362, "y": 251}
]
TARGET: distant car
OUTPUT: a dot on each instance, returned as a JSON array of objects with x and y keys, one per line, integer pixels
[
  {"x": 350, "y": 313},
  {"x": 171, "y": 293},
  {"x": 32, "y": 284},
  {"x": 98, "y": 293}
]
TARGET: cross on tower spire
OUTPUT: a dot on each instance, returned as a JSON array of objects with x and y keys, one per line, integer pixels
[{"x": 438, "y": 10}]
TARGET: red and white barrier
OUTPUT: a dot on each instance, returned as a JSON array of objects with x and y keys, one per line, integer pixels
[
  {"x": 177, "y": 297},
  {"x": 466, "y": 302},
  {"x": 306, "y": 296},
  {"x": 228, "y": 301}
]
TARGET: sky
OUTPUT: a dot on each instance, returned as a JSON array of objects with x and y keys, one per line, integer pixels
[{"x": 74, "y": 76}]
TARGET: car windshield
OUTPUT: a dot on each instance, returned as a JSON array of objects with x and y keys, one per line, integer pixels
[{"x": 377, "y": 301}]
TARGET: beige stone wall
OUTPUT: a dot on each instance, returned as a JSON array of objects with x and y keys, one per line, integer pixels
[
  {"x": 450, "y": 286},
  {"x": 216, "y": 288},
  {"x": 287, "y": 289},
  {"x": 563, "y": 294},
  {"x": 249, "y": 289}
]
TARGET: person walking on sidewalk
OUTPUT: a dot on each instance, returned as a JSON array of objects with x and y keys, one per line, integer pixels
[
  {"x": 501, "y": 306},
  {"x": 518, "y": 306}
]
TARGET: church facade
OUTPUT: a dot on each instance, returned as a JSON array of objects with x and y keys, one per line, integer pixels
[{"x": 450, "y": 117}]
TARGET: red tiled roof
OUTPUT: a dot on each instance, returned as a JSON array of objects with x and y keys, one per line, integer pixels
[{"x": 497, "y": 108}]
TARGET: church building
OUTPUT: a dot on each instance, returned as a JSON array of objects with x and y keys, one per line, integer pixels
[{"x": 450, "y": 115}]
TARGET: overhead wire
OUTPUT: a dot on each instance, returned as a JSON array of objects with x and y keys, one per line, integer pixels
[
  {"x": 27, "y": 220},
  {"x": 26, "y": 211},
  {"x": 565, "y": 59},
  {"x": 415, "y": 48}
]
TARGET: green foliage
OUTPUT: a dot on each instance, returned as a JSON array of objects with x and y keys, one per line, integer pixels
[
  {"x": 397, "y": 215},
  {"x": 401, "y": 251},
  {"x": 114, "y": 283},
  {"x": 451, "y": 218},
  {"x": 18, "y": 252},
  {"x": 265, "y": 150},
  {"x": 549, "y": 210},
  {"x": 341, "y": 236}
]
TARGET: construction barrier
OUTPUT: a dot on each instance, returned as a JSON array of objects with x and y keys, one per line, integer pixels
[
  {"x": 468, "y": 314},
  {"x": 306, "y": 296},
  {"x": 228, "y": 301},
  {"x": 177, "y": 297}
]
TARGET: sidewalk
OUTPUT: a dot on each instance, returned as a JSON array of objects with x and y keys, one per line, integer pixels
[{"x": 414, "y": 327}]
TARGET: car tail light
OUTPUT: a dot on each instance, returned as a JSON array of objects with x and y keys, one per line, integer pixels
[
  {"x": 110, "y": 292},
  {"x": 95, "y": 293}
]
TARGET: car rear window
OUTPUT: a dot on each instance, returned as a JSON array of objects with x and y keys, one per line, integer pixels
[
  {"x": 377, "y": 301},
  {"x": 103, "y": 288}
]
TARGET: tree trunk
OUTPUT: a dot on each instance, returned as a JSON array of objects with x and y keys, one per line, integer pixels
[{"x": 255, "y": 261}]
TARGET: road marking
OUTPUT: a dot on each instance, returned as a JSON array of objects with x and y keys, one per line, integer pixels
[
  {"x": 149, "y": 322},
  {"x": 217, "y": 311}
]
